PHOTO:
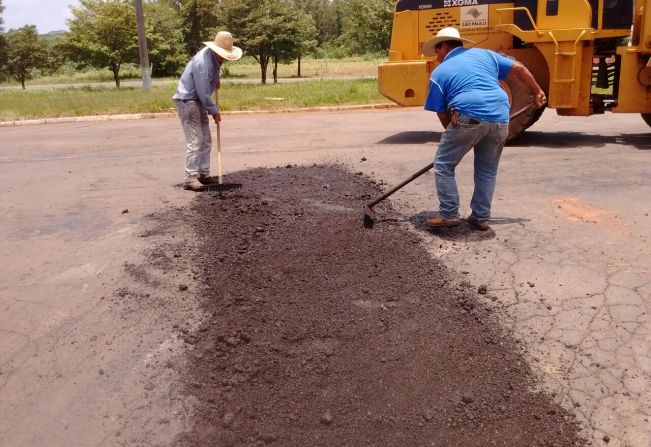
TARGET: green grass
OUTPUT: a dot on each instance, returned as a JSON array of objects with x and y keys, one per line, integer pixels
[
  {"x": 106, "y": 99},
  {"x": 30, "y": 104},
  {"x": 246, "y": 68},
  {"x": 68, "y": 75}
]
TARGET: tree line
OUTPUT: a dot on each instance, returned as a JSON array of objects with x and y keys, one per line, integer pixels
[{"x": 103, "y": 34}]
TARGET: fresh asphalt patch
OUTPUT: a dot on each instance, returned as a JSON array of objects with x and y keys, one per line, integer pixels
[{"x": 320, "y": 332}]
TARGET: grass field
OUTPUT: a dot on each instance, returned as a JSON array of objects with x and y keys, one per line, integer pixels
[
  {"x": 51, "y": 103},
  {"x": 313, "y": 68},
  {"x": 95, "y": 99},
  {"x": 246, "y": 68}
]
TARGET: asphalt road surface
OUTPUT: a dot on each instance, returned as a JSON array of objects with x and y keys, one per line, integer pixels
[{"x": 567, "y": 263}]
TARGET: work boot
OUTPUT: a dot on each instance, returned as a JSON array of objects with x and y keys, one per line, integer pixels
[
  {"x": 208, "y": 180},
  {"x": 442, "y": 222},
  {"x": 481, "y": 225},
  {"x": 193, "y": 184}
]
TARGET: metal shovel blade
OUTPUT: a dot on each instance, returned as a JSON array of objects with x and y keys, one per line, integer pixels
[{"x": 369, "y": 217}]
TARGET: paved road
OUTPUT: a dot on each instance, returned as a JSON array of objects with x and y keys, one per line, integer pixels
[{"x": 567, "y": 265}]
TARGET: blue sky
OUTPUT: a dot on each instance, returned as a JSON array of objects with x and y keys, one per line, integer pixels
[{"x": 47, "y": 15}]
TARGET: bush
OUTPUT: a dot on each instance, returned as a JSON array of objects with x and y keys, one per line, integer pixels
[{"x": 332, "y": 51}]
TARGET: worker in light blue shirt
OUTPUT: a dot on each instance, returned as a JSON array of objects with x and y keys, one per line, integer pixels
[
  {"x": 474, "y": 110},
  {"x": 194, "y": 102}
]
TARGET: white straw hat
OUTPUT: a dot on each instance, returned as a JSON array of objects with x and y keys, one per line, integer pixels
[
  {"x": 449, "y": 33},
  {"x": 223, "y": 45}
]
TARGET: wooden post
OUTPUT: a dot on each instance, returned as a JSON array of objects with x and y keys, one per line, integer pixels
[{"x": 145, "y": 71}]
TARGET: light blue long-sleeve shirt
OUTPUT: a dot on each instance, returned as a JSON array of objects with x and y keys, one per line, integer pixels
[{"x": 199, "y": 79}]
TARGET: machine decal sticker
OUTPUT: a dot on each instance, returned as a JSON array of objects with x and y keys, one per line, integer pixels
[
  {"x": 474, "y": 16},
  {"x": 415, "y": 5}
]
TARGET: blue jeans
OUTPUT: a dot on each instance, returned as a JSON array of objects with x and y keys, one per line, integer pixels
[
  {"x": 196, "y": 128},
  {"x": 488, "y": 139}
]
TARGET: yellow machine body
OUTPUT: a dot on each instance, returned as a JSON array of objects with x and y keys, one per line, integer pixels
[{"x": 562, "y": 42}]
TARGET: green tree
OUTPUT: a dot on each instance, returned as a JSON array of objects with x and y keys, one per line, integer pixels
[
  {"x": 102, "y": 34},
  {"x": 25, "y": 52},
  {"x": 176, "y": 4},
  {"x": 164, "y": 38},
  {"x": 3, "y": 43},
  {"x": 199, "y": 18},
  {"x": 267, "y": 30},
  {"x": 366, "y": 25},
  {"x": 241, "y": 18},
  {"x": 296, "y": 36},
  {"x": 324, "y": 14}
]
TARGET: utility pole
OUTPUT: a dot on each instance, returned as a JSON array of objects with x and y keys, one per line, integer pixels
[{"x": 142, "y": 47}]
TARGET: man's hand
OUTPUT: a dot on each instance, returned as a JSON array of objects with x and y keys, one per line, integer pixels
[
  {"x": 540, "y": 99},
  {"x": 219, "y": 84},
  {"x": 217, "y": 118},
  {"x": 523, "y": 74}
]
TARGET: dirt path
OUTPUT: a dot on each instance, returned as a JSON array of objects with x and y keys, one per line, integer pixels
[{"x": 319, "y": 332}]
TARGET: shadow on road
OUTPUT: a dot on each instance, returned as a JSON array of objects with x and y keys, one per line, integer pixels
[
  {"x": 561, "y": 140},
  {"x": 550, "y": 140},
  {"x": 464, "y": 232},
  {"x": 412, "y": 137}
]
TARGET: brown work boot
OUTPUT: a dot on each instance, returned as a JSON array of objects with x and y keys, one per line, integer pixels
[
  {"x": 193, "y": 184},
  {"x": 481, "y": 225},
  {"x": 442, "y": 222}
]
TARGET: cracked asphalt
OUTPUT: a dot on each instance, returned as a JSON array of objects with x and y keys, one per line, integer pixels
[{"x": 566, "y": 264}]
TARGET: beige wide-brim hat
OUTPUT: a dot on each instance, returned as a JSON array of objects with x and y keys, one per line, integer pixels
[
  {"x": 223, "y": 45},
  {"x": 449, "y": 33}
]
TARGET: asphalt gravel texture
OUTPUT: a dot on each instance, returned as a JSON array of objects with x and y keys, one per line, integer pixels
[{"x": 319, "y": 332}]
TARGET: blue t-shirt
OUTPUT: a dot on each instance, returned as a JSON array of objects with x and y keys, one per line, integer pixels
[{"x": 467, "y": 80}]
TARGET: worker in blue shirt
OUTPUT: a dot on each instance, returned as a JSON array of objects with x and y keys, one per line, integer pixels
[
  {"x": 193, "y": 98},
  {"x": 474, "y": 110}
]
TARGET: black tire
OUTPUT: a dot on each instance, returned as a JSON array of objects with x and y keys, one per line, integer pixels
[
  {"x": 520, "y": 97},
  {"x": 647, "y": 118}
]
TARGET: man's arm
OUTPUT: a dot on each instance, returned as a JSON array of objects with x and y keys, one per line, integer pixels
[
  {"x": 202, "y": 72},
  {"x": 523, "y": 74}
]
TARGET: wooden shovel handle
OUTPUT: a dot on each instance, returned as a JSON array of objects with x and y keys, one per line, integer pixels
[{"x": 219, "y": 154}]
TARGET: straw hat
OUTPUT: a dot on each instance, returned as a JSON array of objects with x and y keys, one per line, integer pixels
[
  {"x": 223, "y": 45},
  {"x": 448, "y": 33}
]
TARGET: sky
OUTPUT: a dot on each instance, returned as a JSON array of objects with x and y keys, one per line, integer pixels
[{"x": 47, "y": 15}]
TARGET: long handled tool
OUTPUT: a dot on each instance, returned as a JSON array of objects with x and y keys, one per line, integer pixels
[
  {"x": 220, "y": 185},
  {"x": 369, "y": 214},
  {"x": 223, "y": 185}
]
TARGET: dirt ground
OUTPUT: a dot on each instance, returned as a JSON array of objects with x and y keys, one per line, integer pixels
[{"x": 319, "y": 332}]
